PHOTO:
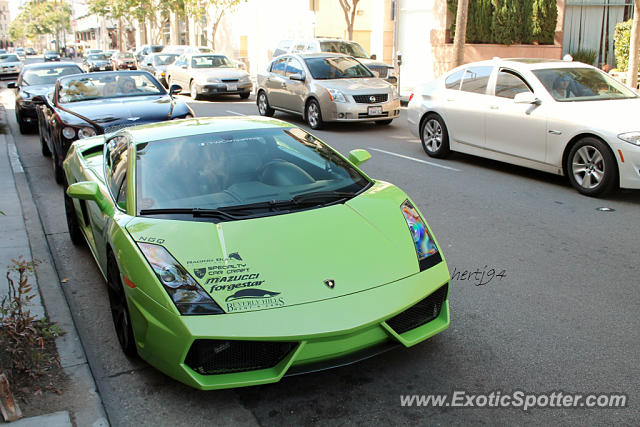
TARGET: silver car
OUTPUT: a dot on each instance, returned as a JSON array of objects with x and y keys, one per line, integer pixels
[
  {"x": 157, "y": 63},
  {"x": 326, "y": 87},
  {"x": 10, "y": 66},
  {"x": 208, "y": 74}
]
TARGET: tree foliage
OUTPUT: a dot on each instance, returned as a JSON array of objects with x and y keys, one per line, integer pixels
[
  {"x": 545, "y": 18},
  {"x": 39, "y": 18},
  {"x": 512, "y": 22},
  {"x": 621, "y": 40}
]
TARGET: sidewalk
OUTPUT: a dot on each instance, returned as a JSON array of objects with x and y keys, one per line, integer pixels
[{"x": 21, "y": 234}]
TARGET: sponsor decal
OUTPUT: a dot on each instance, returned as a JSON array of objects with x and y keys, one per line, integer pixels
[
  {"x": 200, "y": 272},
  {"x": 251, "y": 294},
  {"x": 330, "y": 283},
  {"x": 236, "y": 256},
  {"x": 151, "y": 240},
  {"x": 251, "y": 299},
  {"x": 201, "y": 261},
  {"x": 232, "y": 278}
]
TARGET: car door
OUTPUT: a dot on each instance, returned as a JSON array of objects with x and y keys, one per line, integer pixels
[
  {"x": 519, "y": 130},
  {"x": 295, "y": 91},
  {"x": 465, "y": 105},
  {"x": 177, "y": 72},
  {"x": 275, "y": 82}
]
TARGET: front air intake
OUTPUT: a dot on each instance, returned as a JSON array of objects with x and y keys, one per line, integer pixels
[{"x": 420, "y": 313}]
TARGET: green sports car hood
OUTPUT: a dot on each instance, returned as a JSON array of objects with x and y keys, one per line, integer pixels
[{"x": 294, "y": 258}]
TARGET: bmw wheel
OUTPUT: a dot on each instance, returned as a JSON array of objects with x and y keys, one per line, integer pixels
[
  {"x": 120, "y": 309},
  {"x": 58, "y": 172},
  {"x": 434, "y": 136},
  {"x": 263, "y": 105},
  {"x": 592, "y": 167},
  {"x": 314, "y": 115}
]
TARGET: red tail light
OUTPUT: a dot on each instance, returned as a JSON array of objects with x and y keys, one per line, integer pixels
[{"x": 410, "y": 97}]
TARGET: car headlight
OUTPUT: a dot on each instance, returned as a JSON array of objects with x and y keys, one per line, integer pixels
[
  {"x": 68, "y": 132},
  {"x": 336, "y": 95},
  {"x": 245, "y": 79},
  {"x": 394, "y": 93},
  {"x": 423, "y": 242},
  {"x": 631, "y": 137},
  {"x": 187, "y": 295},
  {"x": 213, "y": 80},
  {"x": 86, "y": 132}
]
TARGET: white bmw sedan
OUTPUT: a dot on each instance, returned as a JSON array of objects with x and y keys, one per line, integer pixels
[{"x": 565, "y": 118}]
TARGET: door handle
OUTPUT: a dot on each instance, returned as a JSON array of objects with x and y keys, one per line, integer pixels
[{"x": 494, "y": 107}]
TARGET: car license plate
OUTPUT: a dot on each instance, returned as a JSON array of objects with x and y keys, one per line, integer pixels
[
  {"x": 102, "y": 68},
  {"x": 232, "y": 88},
  {"x": 375, "y": 111}
]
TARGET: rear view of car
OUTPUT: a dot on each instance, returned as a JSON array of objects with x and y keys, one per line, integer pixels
[
  {"x": 51, "y": 55},
  {"x": 10, "y": 66},
  {"x": 123, "y": 61}
]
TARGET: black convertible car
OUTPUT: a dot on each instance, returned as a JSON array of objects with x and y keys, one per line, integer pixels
[{"x": 84, "y": 105}]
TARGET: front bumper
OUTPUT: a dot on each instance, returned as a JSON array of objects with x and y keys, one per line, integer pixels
[
  {"x": 126, "y": 67},
  {"x": 101, "y": 68},
  {"x": 320, "y": 334},
  {"x": 223, "y": 88},
  {"x": 357, "y": 112},
  {"x": 51, "y": 58},
  {"x": 628, "y": 158}
]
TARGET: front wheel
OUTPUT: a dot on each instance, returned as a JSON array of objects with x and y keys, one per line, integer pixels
[
  {"x": 263, "y": 105},
  {"x": 434, "y": 136},
  {"x": 314, "y": 115},
  {"x": 58, "y": 172},
  {"x": 24, "y": 128},
  {"x": 592, "y": 167},
  {"x": 193, "y": 91},
  {"x": 120, "y": 309},
  {"x": 75, "y": 233}
]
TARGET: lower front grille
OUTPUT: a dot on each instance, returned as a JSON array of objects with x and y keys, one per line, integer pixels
[
  {"x": 420, "y": 313},
  {"x": 212, "y": 357},
  {"x": 365, "y": 115}
]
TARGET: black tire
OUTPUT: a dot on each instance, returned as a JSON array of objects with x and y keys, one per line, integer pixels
[
  {"x": 245, "y": 95},
  {"x": 313, "y": 115},
  {"x": 193, "y": 92},
  {"x": 591, "y": 167},
  {"x": 58, "y": 172},
  {"x": 120, "y": 309},
  {"x": 383, "y": 122},
  {"x": 24, "y": 128},
  {"x": 264, "y": 109},
  {"x": 43, "y": 143},
  {"x": 75, "y": 233},
  {"x": 434, "y": 136}
]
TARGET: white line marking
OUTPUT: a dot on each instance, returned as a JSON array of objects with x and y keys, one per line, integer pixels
[
  {"x": 414, "y": 159},
  {"x": 236, "y": 113}
]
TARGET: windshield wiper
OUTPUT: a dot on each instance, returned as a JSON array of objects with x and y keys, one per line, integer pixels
[
  {"x": 323, "y": 196},
  {"x": 196, "y": 212}
]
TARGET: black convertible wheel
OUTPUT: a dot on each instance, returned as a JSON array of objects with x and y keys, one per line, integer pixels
[
  {"x": 24, "y": 128},
  {"x": 58, "y": 172},
  {"x": 263, "y": 105},
  {"x": 72, "y": 220},
  {"x": 43, "y": 143},
  {"x": 591, "y": 167},
  {"x": 120, "y": 309},
  {"x": 434, "y": 136}
]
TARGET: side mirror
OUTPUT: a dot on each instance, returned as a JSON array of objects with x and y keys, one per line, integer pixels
[
  {"x": 12, "y": 85},
  {"x": 373, "y": 56},
  {"x": 90, "y": 191},
  {"x": 174, "y": 90},
  {"x": 526, "y": 98},
  {"x": 184, "y": 66},
  {"x": 38, "y": 99},
  {"x": 359, "y": 156},
  {"x": 297, "y": 76}
]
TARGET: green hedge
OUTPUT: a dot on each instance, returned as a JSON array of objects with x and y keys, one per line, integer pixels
[
  {"x": 621, "y": 40},
  {"x": 509, "y": 21}
]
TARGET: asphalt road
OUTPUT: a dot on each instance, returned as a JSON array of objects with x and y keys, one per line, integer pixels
[{"x": 564, "y": 317}]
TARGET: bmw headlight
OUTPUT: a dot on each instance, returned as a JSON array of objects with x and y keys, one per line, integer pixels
[
  {"x": 336, "y": 95},
  {"x": 631, "y": 137},
  {"x": 185, "y": 292},
  {"x": 86, "y": 132},
  {"x": 426, "y": 249},
  {"x": 68, "y": 132}
]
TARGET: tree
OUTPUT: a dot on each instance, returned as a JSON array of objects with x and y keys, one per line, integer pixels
[
  {"x": 349, "y": 9},
  {"x": 634, "y": 45},
  {"x": 545, "y": 18},
  {"x": 39, "y": 18},
  {"x": 218, "y": 8},
  {"x": 461, "y": 32},
  {"x": 512, "y": 21}
]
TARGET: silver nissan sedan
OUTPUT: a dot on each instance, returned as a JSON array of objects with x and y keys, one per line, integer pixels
[{"x": 326, "y": 87}]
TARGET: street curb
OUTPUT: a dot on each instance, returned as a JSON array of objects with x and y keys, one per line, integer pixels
[{"x": 72, "y": 355}]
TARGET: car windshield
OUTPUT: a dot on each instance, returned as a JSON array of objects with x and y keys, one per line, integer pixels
[
  {"x": 47, "y": 76},
  {"x": 164, "y": 59},
  {"x": 97, "y": 57},
  {"x": 581, "y": 84},
  {"x": 211, "y": 61},
  {"x": 9, "y": 58},
  {"x": 348, "y": 48},
  {"x": 228, "y": 169},
  {"x": 156, "y": 48},
  {"x": 107, "y": 85},
  {"x": 51, "y": 52},
  {"x": 338, "y": 67}
]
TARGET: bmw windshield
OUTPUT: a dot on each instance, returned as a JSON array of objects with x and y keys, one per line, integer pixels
[
  {"x": 582, "y": 84},
  {"x": 241, "y": 173}
]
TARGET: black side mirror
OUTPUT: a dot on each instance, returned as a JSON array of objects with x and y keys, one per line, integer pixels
[
  {"x": 174, "y": 90},
  {"x": 373, "y": 56},
  {"x": 12, "y": 85}
]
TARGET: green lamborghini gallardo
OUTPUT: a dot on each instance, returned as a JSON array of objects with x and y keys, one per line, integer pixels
[{"x": 240, "y": 250}]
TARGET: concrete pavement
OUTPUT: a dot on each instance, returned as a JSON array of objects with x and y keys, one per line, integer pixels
[{"x": 21, "y": 234}]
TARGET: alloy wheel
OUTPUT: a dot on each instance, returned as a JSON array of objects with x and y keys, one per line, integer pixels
[
  {"x": 588, "y": 167},
  {"x": 432, "y": 135}
]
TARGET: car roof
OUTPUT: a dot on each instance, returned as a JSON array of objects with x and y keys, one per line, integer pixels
[
  {"x": 201, "y": 125},
  {"x": 50, "y": 65},
  {"x": 319, "y": 55}
]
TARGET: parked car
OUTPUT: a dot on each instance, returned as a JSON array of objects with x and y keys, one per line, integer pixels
[
  {"x": 144, "y": 198},
  {"x": 560, "y": 117},
  {"x": 184, "y": 49},
  {"x": 123, "y": 61},
  {"x": 30, "y": 51},
  {"x": 147, "y": 49},
  {"x": 92, "y": 51},
  {"x": 208, "y": 74},
  {"x": 37, "y": 79},
  {"x": 109, "y": 53},
  {"x": 157, "y": 64},
  {"x": 347, "y": 47},
  {"x": 84, "y": 105},
  {"x": 326, "y": 87},
  {"x": 96, "y": 62},
  {"x": 19, "y": 51},
  {"x": 10, "y": 66},
  {"x": 51, "y": 55}
]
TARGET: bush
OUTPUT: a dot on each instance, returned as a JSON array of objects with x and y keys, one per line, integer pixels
[
  {"x": 545, "y": 18},
  {"x": 586, "y": 56},
  {"x": 511, "y": 22},
  {"x": 621, "y": 40}
]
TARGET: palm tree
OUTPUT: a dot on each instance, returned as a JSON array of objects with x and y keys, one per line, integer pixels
[{"x": 461, "y": 32}]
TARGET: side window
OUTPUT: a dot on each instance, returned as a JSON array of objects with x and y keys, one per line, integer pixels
[
  {"x": 454, "y": 80},
  {"x": 293, "y": 67},
  {"x": 476, "y": 79},
  {"x": 509, "y": 84},
  {"x": 279, "y": 66},
  {"x": 116, "y": 165}
]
